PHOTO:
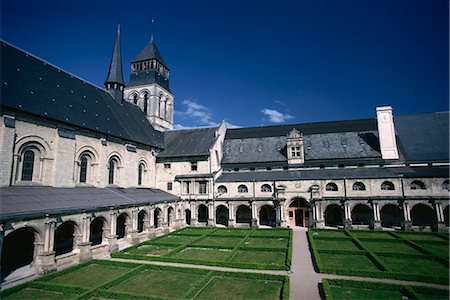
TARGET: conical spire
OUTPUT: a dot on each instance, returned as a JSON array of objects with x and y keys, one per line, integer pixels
[
  {"x": 150, "y": 52},
  {"x": 115, "y": 66}
]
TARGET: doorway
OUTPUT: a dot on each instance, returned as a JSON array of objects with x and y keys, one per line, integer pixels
[{"x": 299, "y": 213}]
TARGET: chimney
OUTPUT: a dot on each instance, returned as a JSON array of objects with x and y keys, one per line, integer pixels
[{"x": 386, "y": 133}]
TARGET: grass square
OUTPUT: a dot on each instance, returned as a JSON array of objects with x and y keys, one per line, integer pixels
[
  {"x": 341, "y": 244},
  {"x": 194, "y": 231},
  {"x": 328, "y": 233},
  {"x": 361, "y": 234},
  {"x": 90, "y": 275},
  {"x": 390, "y": 247},
  {"x": 347, "y": 261},
  {"x": 203, "y": 254},
  {"x": 440, "y": 249},
  {"x": 233, "y": 232},
  {"x": 279, "y": 243},
  {"x": 421, "y": 236},
  {"x": 271, "y": 232},
  {"x": 415, "y": 265},
  {"x": 240, "y": 288},
  {"x": 174, "y": 239},
  {"x": 219, "y": 241},
  {"x": 158, "y": 283},
  {"x": 348, "y": 293},
  {"x": 150, "y": 250},
  {"x": 34, "y": 293},
  {"x": 260, "y": 257}
]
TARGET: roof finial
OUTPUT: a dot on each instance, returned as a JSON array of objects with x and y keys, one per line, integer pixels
[{"x": 153, "y": 28}]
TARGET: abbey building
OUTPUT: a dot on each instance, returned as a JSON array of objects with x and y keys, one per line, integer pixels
[{"x": 85, "y": 170}]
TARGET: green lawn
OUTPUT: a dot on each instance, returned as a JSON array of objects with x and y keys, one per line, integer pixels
[
  {"x": 203, "y": 254},
  {"x": 150, "y": 250},
  {"x": 349, "y": 261},
  {"x": 260, "y": 257},
  {"x": 416, "y": 265},
  {"x": 175, "y": 239},
  {"x": 267, "y": 242},
  {"x": 333, "y": 244},
  {"x": 119, "y": 280},
  {"x": 232, "y": 232},
  {"x": 329, "y": 233},
  {"x": 390, "y": 247},
  {"x": 240, "y": 289},
  {"x": 218, "y": 241},
  {"x": 438, "y": 248},
  {"x": 422, "y": 236},
  {"x": 365, "y": 234}
]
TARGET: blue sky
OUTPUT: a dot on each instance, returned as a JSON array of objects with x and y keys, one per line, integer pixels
[{"x": 255, "y": 63}]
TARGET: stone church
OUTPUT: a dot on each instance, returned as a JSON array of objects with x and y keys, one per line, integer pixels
[{"x": 86, "y": 170}]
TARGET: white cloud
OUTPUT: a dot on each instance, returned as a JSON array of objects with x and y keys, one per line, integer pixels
[
  {"x": 275, "y": 116},
  {"x": 196, "y": 112}
]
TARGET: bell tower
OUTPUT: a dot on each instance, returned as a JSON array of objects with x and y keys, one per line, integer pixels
[{"x": 149, "y": 87}]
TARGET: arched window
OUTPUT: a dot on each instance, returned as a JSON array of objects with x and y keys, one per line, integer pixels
[
  {"x": 28, "y": 165},
  {"x": 417, "y": 185},
  {"x": 83, "y": 168},
  {"x": 145, "y": 102},
  {"x": 242, "y": 189},
  {"x": 446, "y": 185},
  {"x": 140, "y": 173},
  {"x": 134, "y": 97},
  {"x": 331, "y": 186},
  {"x": 222, "y": 189},
  {"x": 387, "y": 186},
  {"x": 359, "y": 186},
  {"x": 265, "y": 188},
  {"x": 112, "y": 166}
]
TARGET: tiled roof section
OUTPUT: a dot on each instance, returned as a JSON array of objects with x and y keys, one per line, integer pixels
[
  {"x": 330, "y": 174},
  {"x": 31, "y": 85},
  {"x": 146, "y": 77},
  {"x": 188, "y": 142},
  {"x": 305, "y": 128},
  {"x": 424, "y": 137},
  {"x": 325, "y": 146},
  {"x": 25, "y": 202},
  {"x": 149, "y": 52}
]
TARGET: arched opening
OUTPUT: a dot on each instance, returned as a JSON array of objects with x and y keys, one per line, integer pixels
[
  {"x": 28, "y": 165},
  {"x": 112, "y": 168},
  {"x": 387, "y": 186},
  {"x": 299, "y": 213},
  {"x": 187, "y": 214},
  {"x": 331, "y": 186},
  {"x": 265, "y": 188},
  {"x": 142, "y": 215},
  {"x": 243, "y": 215},
  {"x": 267, "y": 216},
  {"x": 157, "y": 218},
  {"x": 391, "y": 216},
  {"x": 334, "y": 216},
  {"x": 417, "y": 185},
  {"x": 145, "y": 102},
  {"x": 359, "y": 186},
  {"x": 242, "y": 189},
  {"x": 170, "y": 216},
  {"x": 17, "y": 250},
  {"x": 64, "y": 238},
  {"x": 121, "y": 225},
  {"x": 140, "y": 173},
  {"x": 222, "y": 215},
  {"x": 83, "y": 168},
  {"x": 222, "y": 189},
  {"x": 446, "y": 219},
  {"x": 362, "y": 215},
  {"x": 96, "y": 231},
  {"x": 202, "y": 213},
  {"x": 422, "y": 215},
  {"x": 446, "y": 185}
]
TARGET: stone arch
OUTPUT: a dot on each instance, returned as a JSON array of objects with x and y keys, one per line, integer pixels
[
  {"x": 266, "y": 188},
  {"x": 222, "y": 215},
  {"x": 362, "y": 215},
  {"x": 391, "y": 215},
  {"x": 417, "y": 185},
  {"x": 187, "y": 216},
  {"x": 202, "y": 213},
  {"x": 422, "y": 215},
  {"x": 359, "y": 186},
  {"x": 299, "y": 212},
  {"x": 157, "y": 214},
  {"x": 142, "y": 216},
  {"x": 121, "y": 225},
  {"x": 170, "y": 215},
  {"x": 40, "y": 151},
  {"x": 387, "y": 186},
  {"x": 331, "y": 186},
  {"x": 85, "y": 161},
  {"x": 267, "y": 216},
  {"x": 97, "y": 228},
  {"x": 334, "y": 215},
  {"x": 17, "y": 250},
  {"x": 65, "y": 237},
  {"x": 114, "y": 164},
  {"x": 142, "y": 171},
  {"x": 243, "y": 214}
]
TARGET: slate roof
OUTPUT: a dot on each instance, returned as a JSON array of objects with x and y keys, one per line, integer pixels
[
  {"x": 148, "y": 76},
  {"x": 150, "y": 51},
  {"x": 31, "y": 85},
  {"x": 330, "y": 174},
  {"x": 115, "y": 66},
  {"x": 33, "y": 202},
  {"x": 423, "y": 137},
  {"x": 188, "y": 142}
]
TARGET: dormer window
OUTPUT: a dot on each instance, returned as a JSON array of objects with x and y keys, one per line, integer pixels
[
  {"x": 295, "y": 152},
  {"x": 295, "y": 147},
  {"x": 194, "y": 166}
]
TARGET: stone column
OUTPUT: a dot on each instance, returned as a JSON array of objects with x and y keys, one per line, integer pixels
[
  {"x": 318, "y": 216},
  {"x": 406, "y": 224},
  {"x": 194, "y": 220},
  {"x": 44, "y": 262},
  {"x": 439, "y": 217},
  {"x": 211, "y": 219},
  {"x": 376, "y": 215},
  {"x": 231, "y": 221},
  {"x": 348, "y": 215},
  {"x": 283, "y": 222},
  {"x": 85, "y": 244},
  {"x": 133, "y": 236},
  {"x": 255, "y": 219},
  {"x": 112, "y": 237}
]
